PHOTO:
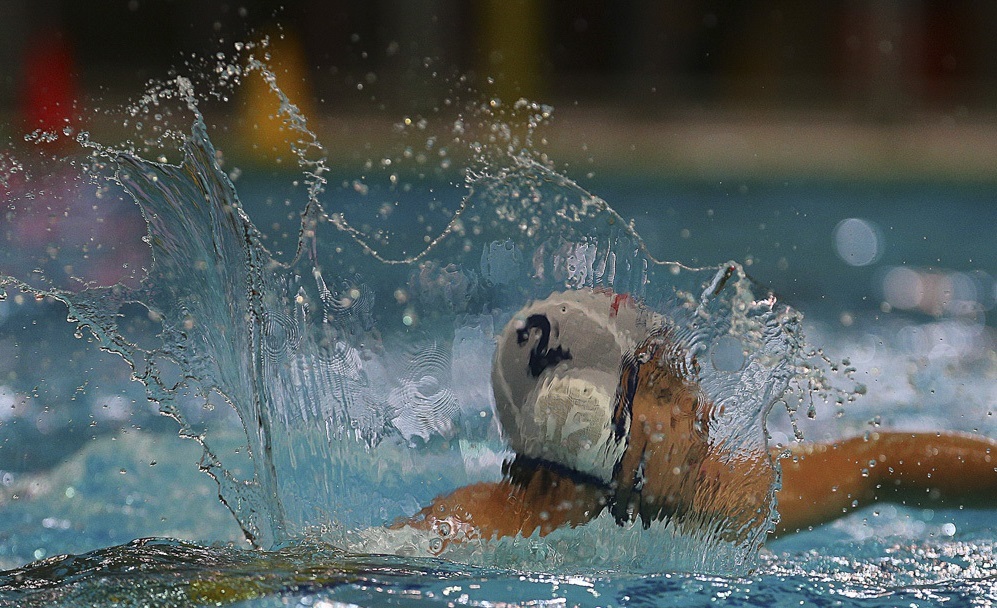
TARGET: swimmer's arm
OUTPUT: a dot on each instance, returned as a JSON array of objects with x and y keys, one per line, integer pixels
[
  {"x": 822, "y": 482},
  {"x": 546, "y": 502}
]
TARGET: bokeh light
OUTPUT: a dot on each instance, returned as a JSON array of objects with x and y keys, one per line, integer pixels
[{"x": 858, "y": 242}]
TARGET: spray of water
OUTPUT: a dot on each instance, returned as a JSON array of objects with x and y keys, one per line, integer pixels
[{"x": 358, "y": 375}]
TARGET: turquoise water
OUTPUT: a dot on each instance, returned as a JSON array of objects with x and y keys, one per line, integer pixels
[
  {"x": 334, "y": 390},
  {"x": 167, "y": 573}
]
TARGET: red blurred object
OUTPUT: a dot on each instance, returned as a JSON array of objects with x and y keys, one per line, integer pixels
[{"x": 49, "y": 91}]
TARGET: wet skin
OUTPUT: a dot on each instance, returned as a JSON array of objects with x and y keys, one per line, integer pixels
[
  {"x": 820, "y": 482},
  {"x": 671, "y": 471}
]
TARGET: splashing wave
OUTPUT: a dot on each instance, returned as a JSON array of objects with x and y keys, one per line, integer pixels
[{"x": 359, "y": 377}]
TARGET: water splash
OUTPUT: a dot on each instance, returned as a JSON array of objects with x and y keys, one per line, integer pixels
[
  {"x": 171, "y": 573},
  {"x": 359, "y": 376}
]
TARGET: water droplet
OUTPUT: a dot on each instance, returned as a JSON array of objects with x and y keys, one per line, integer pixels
[{"x": 727, "y": 354}]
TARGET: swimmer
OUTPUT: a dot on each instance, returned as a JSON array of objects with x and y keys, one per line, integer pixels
[{"x": 604, "y": 412}]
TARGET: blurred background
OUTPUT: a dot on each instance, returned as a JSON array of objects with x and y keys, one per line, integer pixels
[
  {"x": 708, "y": 87},
  {"x": 747, "y": 130}
]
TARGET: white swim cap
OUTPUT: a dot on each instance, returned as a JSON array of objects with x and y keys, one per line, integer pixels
[{"x": 556, "y": 378}]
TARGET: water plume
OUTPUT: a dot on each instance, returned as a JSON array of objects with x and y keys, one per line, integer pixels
[{"x": 359, "y": 376}]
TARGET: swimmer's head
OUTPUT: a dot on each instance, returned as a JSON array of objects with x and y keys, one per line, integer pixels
[{"x": 556, "y": 378}]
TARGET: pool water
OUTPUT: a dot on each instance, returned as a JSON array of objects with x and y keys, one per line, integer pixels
[
  {"x": 109, "y": 482},
  {"x": 897, "y": 278},
  {"x": 172, "y": 573}
]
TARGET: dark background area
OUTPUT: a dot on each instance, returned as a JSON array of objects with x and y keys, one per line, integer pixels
[{"x": 875, "y": 60}]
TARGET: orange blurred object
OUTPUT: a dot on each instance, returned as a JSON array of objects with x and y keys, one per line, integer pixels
[{"x": 265, "y": 131}]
